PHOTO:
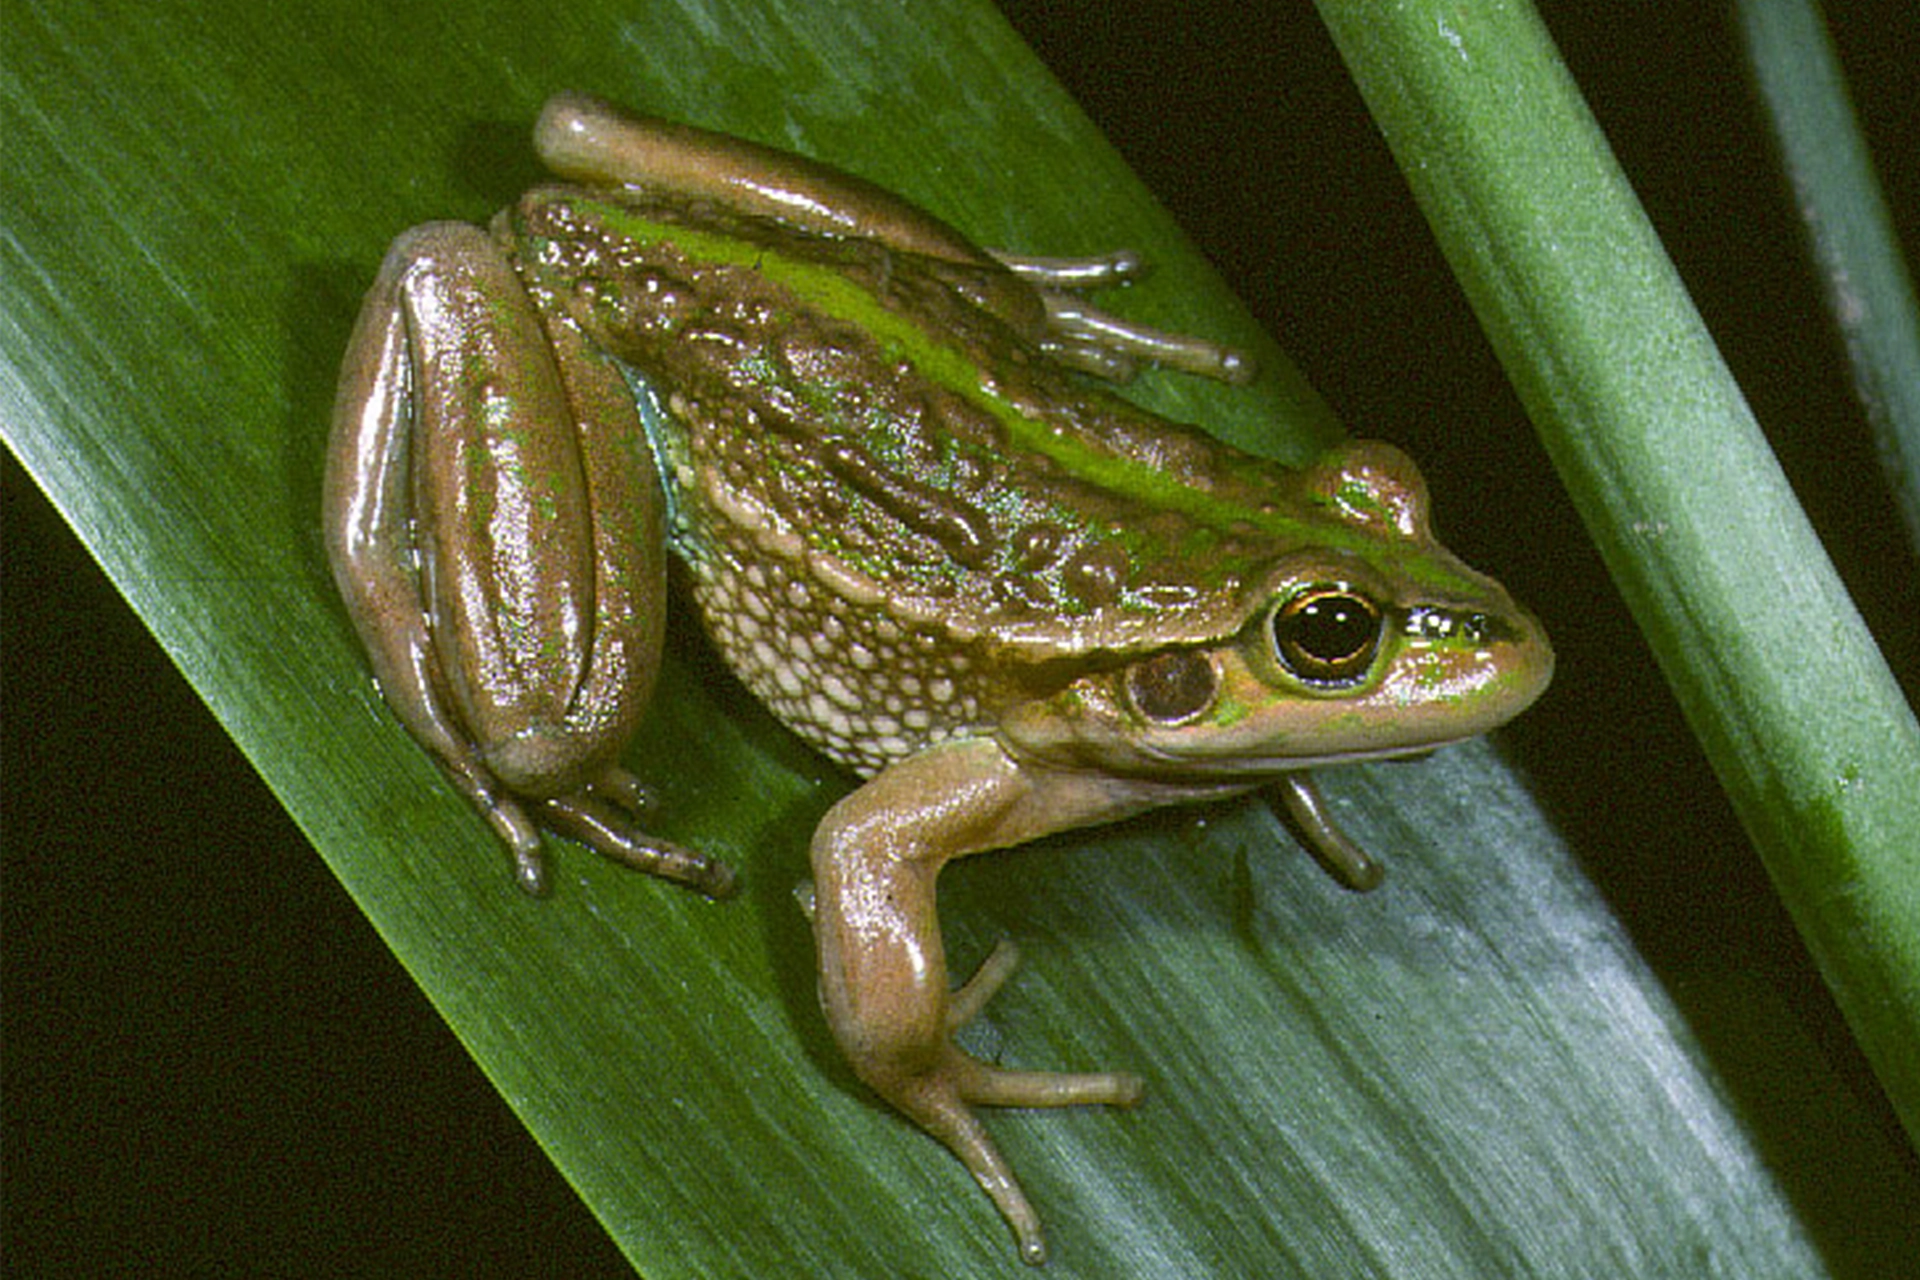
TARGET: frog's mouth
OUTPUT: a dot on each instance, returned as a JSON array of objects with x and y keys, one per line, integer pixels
[
  {"x": 1252, "y": 769},
  {"x": 1206, "y": 756}
]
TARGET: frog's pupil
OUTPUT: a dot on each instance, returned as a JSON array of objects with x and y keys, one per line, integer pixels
[
  {"x": 1332, "y": 628},
  {"x": 1327, "y": 634}
]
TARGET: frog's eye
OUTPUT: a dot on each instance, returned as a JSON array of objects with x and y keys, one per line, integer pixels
[
  {"x": 1173, "y": 687},
  {"x": 1327, "y": 634}
]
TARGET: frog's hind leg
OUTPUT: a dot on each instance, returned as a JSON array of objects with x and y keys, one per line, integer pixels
[
  {"x": 586, "y": 140},
  {"x": 1106, "y": 345},
  {"x": 494, "y": 527},
  {"x": 371, "y": 544}
]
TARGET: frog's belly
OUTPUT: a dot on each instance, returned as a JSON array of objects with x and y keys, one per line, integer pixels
[{"x": 860, "y": 686}]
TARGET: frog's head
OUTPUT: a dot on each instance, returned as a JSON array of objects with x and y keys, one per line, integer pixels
[{"x": 1364, "y": 639}]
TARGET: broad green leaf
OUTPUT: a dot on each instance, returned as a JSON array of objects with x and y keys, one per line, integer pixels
[{"x": 1475, "y": 1071}]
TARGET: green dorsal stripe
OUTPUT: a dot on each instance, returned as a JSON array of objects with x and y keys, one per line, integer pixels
[{"x": 836, "y": 295}]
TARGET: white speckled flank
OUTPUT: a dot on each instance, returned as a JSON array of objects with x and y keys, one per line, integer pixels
[{"x": 857, "y": 685}]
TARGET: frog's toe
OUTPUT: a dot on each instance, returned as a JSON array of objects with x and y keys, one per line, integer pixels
[
  {"x": 935, "y": 1102},
  {"x": 965, "y": 1004},
  {"x": 998, "y": 1087},
  {"x": 1109, "y": 346},
  {"x": 608, "y": 829},
  {"x": 994, "y": 1087},
  {"x": 506, "y": 813}
]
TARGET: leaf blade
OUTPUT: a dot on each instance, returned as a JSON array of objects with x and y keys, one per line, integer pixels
[{"x": 664, "y": 1050}]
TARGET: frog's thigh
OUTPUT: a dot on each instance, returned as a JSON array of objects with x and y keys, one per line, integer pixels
[
  {"x": 370, "y": 542},
  {"x": 526, "y": 480}
]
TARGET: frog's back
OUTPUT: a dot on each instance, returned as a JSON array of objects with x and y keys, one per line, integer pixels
[{"x": 896, "y": 510}]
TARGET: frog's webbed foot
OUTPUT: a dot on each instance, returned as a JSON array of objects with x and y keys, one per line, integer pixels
[{"x": 1106, "y": 345}]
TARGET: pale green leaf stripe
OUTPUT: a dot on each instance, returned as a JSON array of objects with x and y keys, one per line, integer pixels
[
  {"x": 1796, "y": 708},
  {"x": 1869, "y": 291}
]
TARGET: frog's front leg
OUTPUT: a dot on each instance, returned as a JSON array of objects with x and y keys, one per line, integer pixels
[
  {"x": 883, "y": 973},
  {"x": 493, "y": 519}
]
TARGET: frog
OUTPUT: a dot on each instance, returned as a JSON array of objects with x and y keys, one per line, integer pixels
[{"x": 890, "y": 476}]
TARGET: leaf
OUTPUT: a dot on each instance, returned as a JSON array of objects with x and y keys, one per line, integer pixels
[
  {"x": 1803, "y": 719},
  {"x": 1849, "y": 227},
  {"x": 1476, "y": 1071}
]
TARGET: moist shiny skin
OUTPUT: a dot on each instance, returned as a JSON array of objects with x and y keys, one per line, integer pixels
[{"x": 913, "y": 525}]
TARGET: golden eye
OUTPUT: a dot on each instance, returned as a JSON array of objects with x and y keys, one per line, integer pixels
[{"x": 1327, "y": 634}]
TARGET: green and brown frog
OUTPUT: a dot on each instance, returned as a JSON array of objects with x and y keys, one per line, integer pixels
[{"x": 914, "y": 526}]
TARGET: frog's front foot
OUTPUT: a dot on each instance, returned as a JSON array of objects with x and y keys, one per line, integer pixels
[{"x": 937, "y": 1091}]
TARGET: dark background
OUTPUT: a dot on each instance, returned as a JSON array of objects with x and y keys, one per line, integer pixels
[{"x": 239, "y": 1060}]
